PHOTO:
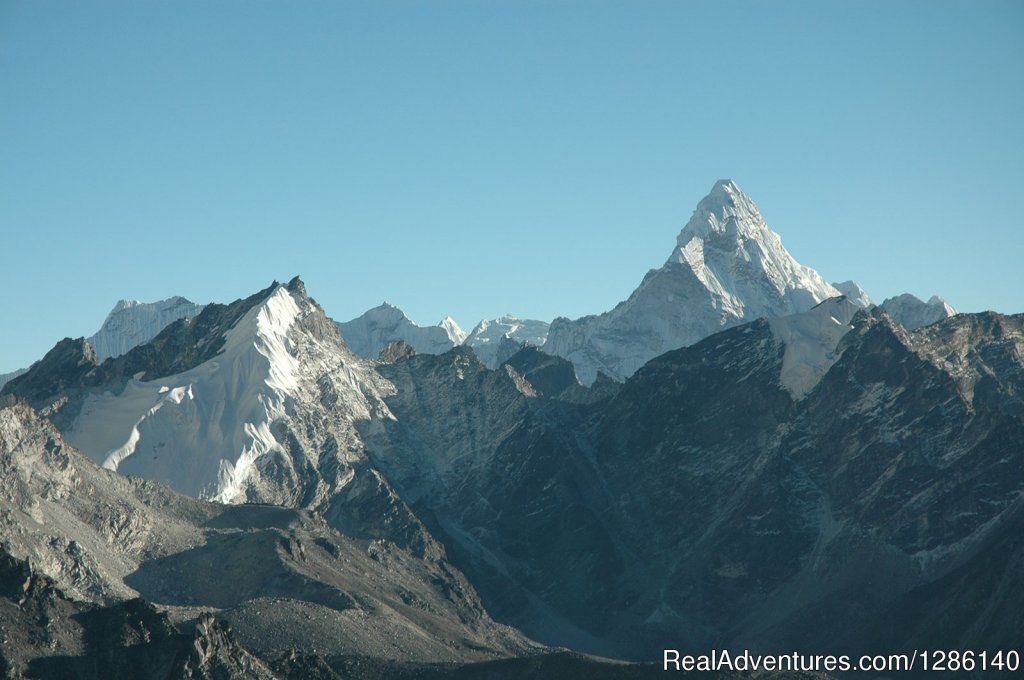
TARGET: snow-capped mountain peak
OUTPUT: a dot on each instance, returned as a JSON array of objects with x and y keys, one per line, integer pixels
[
  {"x": 212, "y": 427},
  {"x": 727, "y": 267},
  {"x": 913, "y": 313},
  {"x": 729, "y": 246},
  {"x": 228, "y": 402}
]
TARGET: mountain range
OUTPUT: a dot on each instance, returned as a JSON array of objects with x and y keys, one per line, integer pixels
[{"x": 740, "y": 455}]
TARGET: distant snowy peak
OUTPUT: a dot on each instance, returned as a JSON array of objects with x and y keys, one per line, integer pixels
[
  {"x": 369, "y": 333},
  {"x": 495, "y": 340},
  {"x": 727, "y": 267},
  {"x": 454, "y": 331},
  {"x": 855, "y": 294},
  {"x": 913, "y": 313},
  {"x": 132, "y": 323}
]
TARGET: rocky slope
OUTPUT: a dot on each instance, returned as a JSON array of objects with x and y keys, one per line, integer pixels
[
  {"x": 230, "y": 592},
  {"x": 7, "y": 377},
  {"x": 46, "y": 634},
  {"x": 727, "y": 267},
  {"x": 282, "y": 577}
]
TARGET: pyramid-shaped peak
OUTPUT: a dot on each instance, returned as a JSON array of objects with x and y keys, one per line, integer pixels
[
  {"x": 726, "y": 186},
  {"x": 725, "y": 212}
]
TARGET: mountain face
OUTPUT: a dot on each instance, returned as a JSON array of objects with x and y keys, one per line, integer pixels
[
  {"x": 727, "y": 267},
  {"x": 368, "y": 334},
  {"x": 132, "y": 323},
  {"x": 913, "y": 313},
  {"x": 495, "y": 340},
  {"x": 129, "y": 324},
  {"x": 745, "y": 491}
]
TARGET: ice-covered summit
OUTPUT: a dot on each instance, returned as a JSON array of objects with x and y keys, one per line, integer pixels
[
  {"x": 369, "y": 333},
  {"x": 454, "y": 331},
  {"x": 727, "y": 267}
]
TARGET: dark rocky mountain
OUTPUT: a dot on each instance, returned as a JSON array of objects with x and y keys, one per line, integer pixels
[{"x": 701, "y": 502}]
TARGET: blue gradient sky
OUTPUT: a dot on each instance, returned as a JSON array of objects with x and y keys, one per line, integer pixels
[{"x": 481, "y": 158}]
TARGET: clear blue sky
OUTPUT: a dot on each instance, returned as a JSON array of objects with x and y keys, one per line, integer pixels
[{"x": 481, "y": 158}]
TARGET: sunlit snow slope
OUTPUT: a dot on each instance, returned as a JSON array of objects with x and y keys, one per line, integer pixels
[{"x": 207, "y": 431}]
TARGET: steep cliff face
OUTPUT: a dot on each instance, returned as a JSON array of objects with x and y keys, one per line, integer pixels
[{"x": 727, "y": 267}]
